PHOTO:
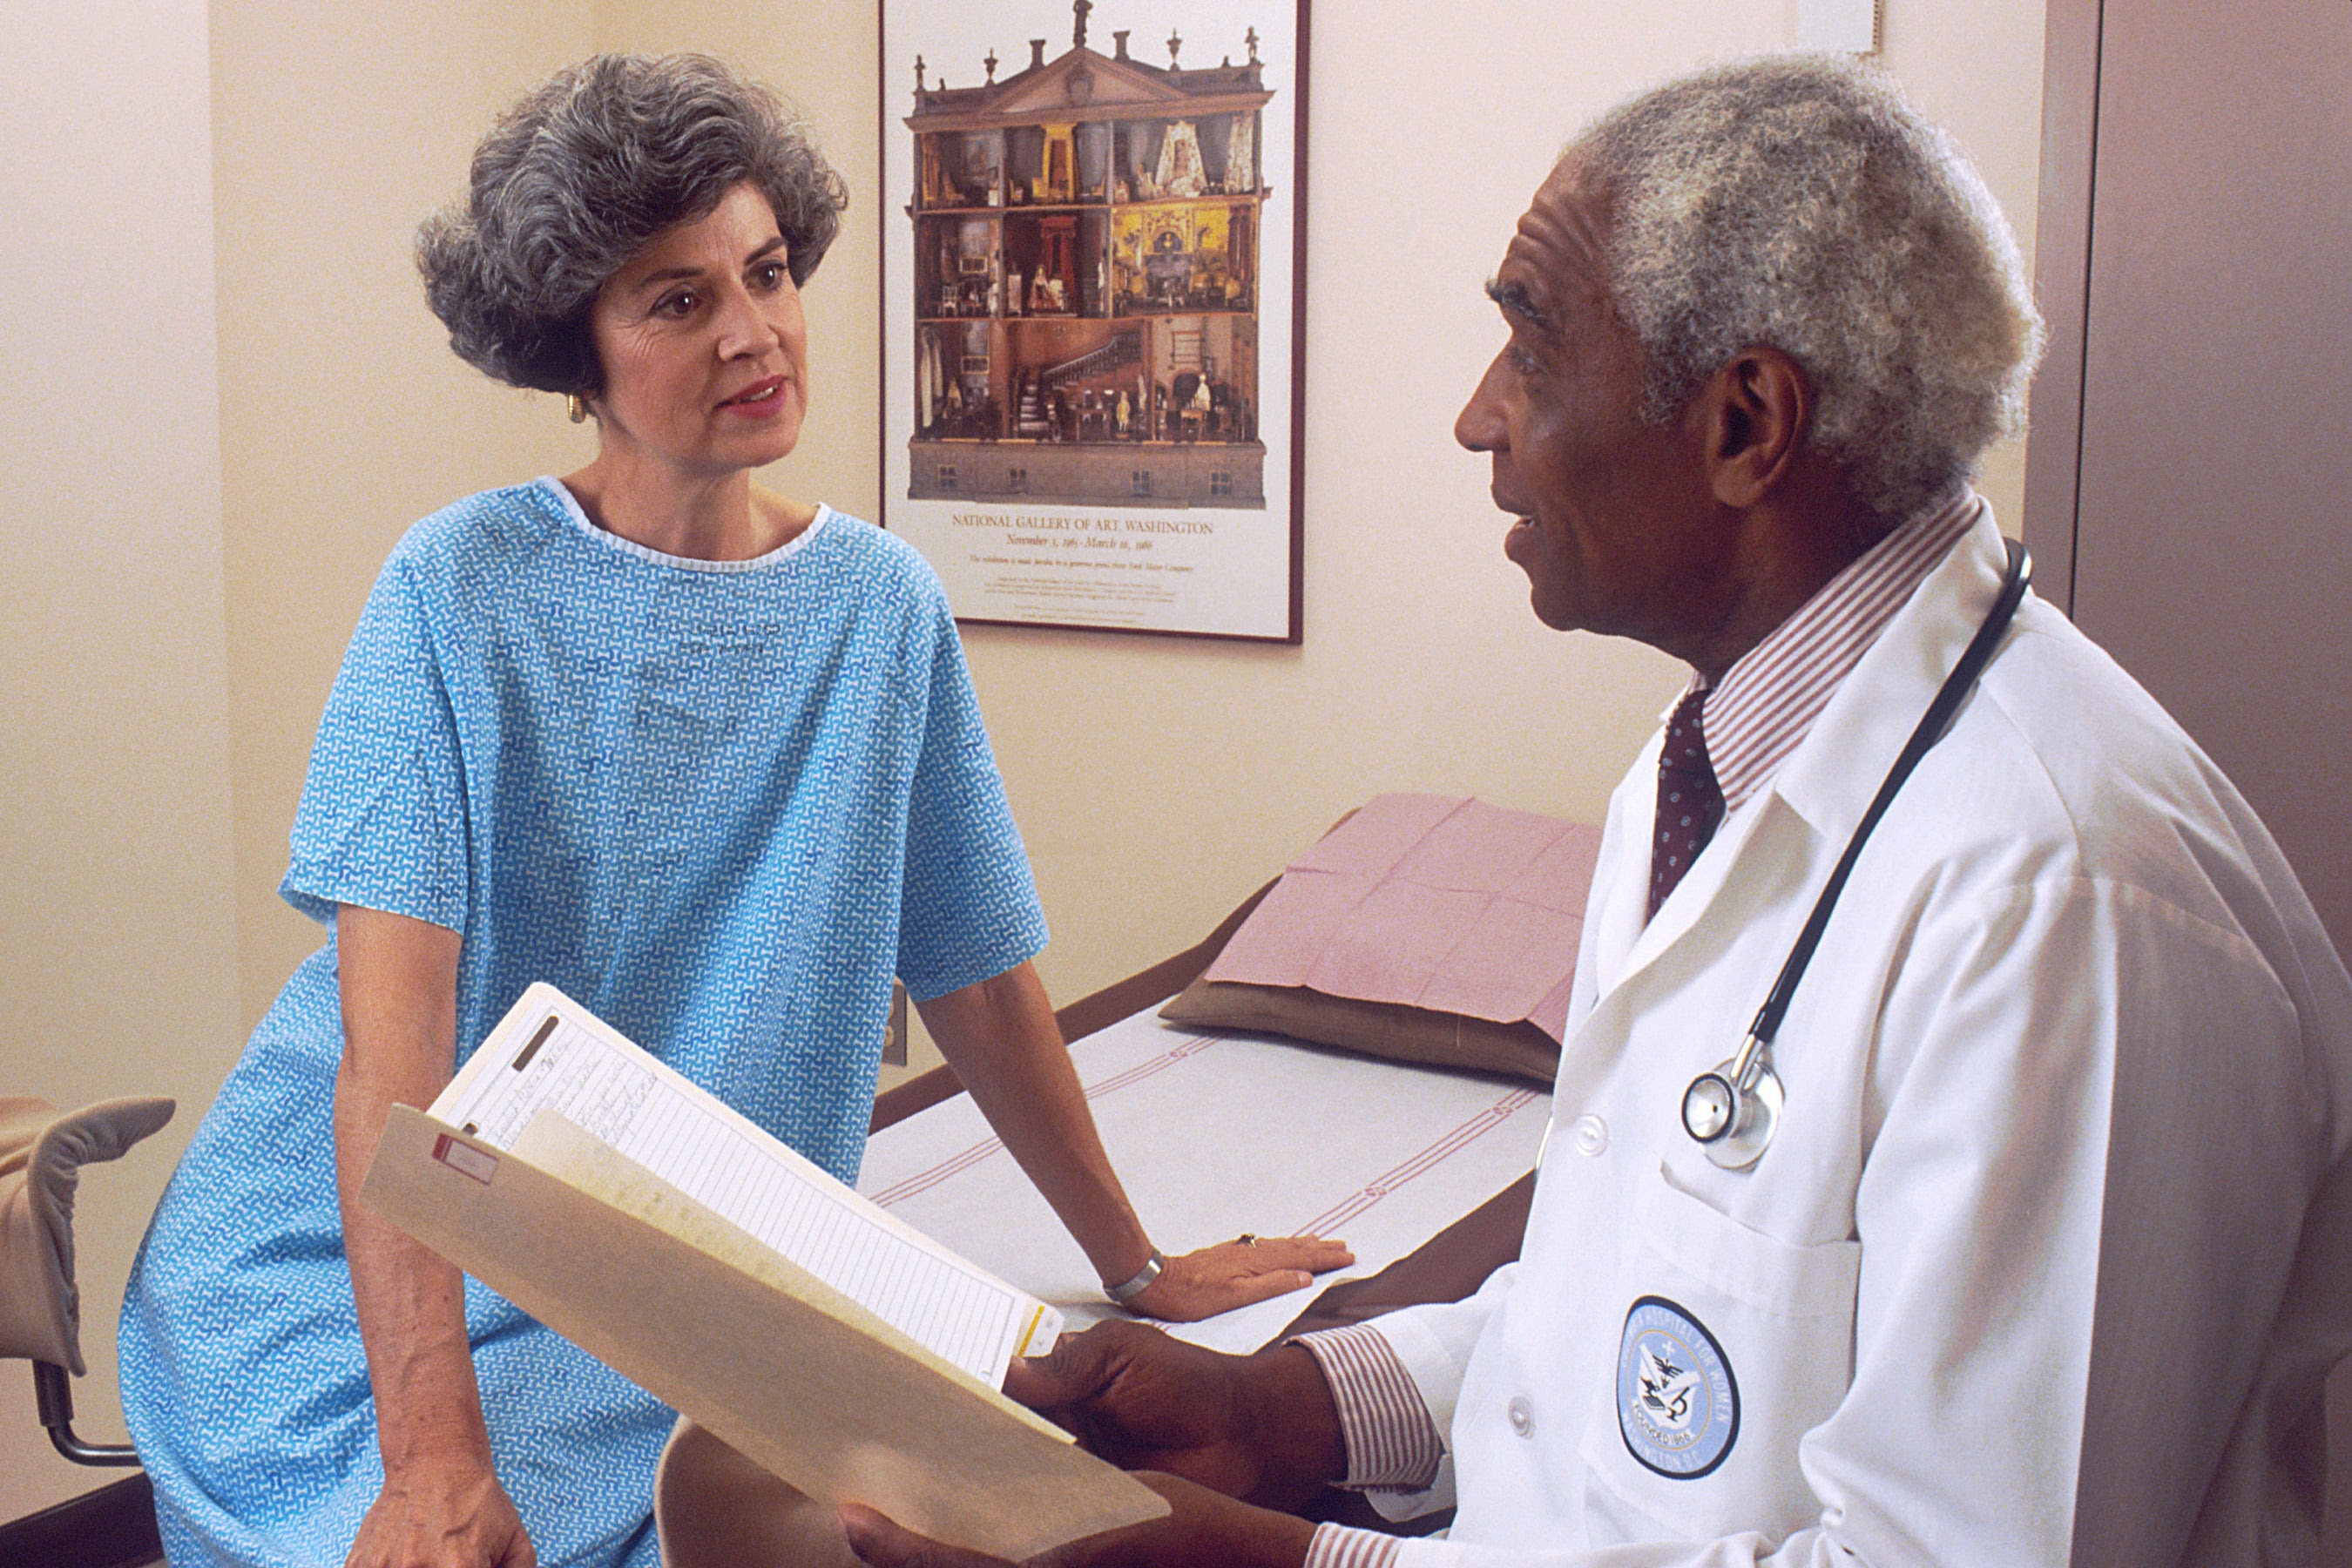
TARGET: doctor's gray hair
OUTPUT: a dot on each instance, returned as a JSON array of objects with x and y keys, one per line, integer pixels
[
  {"x": 1802, "y": 203},
  {"x": 581, "y": 175}
]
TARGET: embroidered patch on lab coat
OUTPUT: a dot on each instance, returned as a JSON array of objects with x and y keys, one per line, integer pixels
[{"x": 1678, "y": 1402}]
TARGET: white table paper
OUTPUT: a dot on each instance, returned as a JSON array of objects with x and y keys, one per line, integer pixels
[{"x": 1214, "y": 1134}]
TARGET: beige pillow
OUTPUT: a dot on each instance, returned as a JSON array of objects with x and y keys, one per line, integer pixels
[{"x": 1375, "y": 1028}]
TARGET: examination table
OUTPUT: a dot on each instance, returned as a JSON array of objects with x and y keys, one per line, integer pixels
[{"x": 1427, "y": 1172}]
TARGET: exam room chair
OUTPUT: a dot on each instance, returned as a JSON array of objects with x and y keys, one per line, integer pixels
[{"x": 42, "y": 1151}]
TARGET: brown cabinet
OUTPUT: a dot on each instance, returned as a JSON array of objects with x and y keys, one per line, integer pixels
[{"x": 2188, "y": 491}]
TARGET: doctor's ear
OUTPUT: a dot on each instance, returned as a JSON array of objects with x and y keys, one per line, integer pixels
[{"x": 1752, "y": 414}]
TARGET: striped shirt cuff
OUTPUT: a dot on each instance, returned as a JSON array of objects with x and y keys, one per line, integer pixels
[
  {"x": 1337, "y": 1546},
  {"x": 1391, "y": 1441}
]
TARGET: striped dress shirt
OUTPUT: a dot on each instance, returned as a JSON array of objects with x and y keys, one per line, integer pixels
[{"x": 1766, "y": 704}]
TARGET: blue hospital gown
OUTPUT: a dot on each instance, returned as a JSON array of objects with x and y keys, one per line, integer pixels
[{"x": 721, "y": 805}]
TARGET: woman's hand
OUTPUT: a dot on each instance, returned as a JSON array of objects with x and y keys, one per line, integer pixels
[
  {"x": 1236, "y": 1274},
  {"x": 1000, "y": 1037},
  {"x": 442, "y": 1514}
]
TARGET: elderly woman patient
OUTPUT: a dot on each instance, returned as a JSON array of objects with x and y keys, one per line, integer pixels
[{"x": 705, "y": 757}]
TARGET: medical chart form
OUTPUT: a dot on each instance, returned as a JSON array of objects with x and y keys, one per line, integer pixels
[{"x": 551, "y": 1054}]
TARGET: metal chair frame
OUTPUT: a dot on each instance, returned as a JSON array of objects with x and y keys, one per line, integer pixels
[{"x": 53, "y": 1392}]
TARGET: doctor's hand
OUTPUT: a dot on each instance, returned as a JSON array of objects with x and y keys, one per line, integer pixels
[
  {"x": 1202, "y": 1529},
  {"x": 442, "y": 1514},
  {"x": 1236, "y": 1274},
  {"x": 1259, "y": 1427}
]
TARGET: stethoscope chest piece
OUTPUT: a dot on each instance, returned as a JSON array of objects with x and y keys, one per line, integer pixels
[{"x": 1733, "y": 1112}]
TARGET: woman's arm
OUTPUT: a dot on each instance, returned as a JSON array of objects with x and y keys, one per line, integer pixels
[
  {"x": 1000, "y": 1037},
  {"x": 441, "y": 1502}
]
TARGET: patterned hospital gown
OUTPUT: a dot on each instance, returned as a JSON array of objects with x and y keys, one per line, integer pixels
[{"x": 720, "y": 804}]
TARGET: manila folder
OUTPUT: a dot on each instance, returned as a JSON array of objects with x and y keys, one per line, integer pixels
[{"x": 781, "y": 1367}]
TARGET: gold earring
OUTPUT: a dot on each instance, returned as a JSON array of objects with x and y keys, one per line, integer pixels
[{"x": 577, "y": 406}]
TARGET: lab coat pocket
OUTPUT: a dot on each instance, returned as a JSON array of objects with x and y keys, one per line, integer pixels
[{"x": 1734, "y": 1344}]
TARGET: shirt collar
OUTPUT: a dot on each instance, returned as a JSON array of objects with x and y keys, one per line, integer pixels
[{"x": 1769, "y": 700}]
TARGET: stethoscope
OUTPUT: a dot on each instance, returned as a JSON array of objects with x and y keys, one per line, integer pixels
[{"x": 1734, "y": 1110}]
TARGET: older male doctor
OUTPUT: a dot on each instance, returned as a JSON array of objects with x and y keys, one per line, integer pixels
[{"x": 2044, "y": 1261}]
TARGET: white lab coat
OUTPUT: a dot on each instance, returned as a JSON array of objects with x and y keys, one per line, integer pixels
[{"x": 2070, "y": 1064}]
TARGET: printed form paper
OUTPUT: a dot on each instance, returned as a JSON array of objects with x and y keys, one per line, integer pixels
[
  {"x": 698, "y": 1313},
  {"x": 550, "y": 1053}
]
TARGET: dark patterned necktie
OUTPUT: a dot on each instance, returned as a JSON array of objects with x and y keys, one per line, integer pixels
[{"x": 1690, "y": 803}]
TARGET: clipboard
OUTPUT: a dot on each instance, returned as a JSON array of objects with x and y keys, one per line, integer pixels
[{"x": 703, "y": 1316}]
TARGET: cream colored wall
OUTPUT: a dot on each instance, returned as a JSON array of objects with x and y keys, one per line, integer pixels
[
  {"x": 182, "y": 574},
  {"x": 337, "y": 124},
  {"x": 116, "y": 930},
  {"x": 162, "y": 673},
  {"x": 346, "y": 418},
  {"x": 324, "y": 468},
  {"x": 1190, "y": 770},
  {"x": 1158, "y": 780}
]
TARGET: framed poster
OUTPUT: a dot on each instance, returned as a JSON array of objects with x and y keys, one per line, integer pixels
[{"x": 1092, "y": 315}]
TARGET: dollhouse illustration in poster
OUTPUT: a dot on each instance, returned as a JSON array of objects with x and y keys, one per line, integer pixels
[{"x": 1092, "y": 309}]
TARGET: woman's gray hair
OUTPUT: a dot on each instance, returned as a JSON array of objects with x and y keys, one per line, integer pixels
[
  {"x": 580, "y": 175},
  {"x": 1802, "y": 203}
]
